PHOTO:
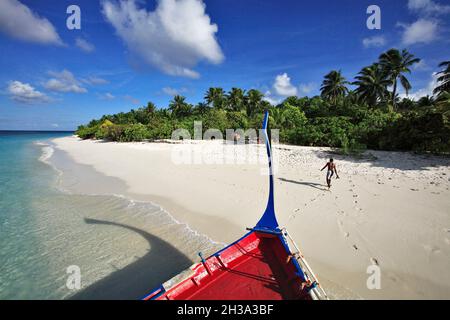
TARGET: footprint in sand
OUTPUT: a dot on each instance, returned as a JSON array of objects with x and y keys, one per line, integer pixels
[
  {"x": 392, "y": 277},
  {"x": 297, "y": 210},
  {"x": 355, "y": 247},
  {"x": 374, "y": 261},
  {"x": 355, "y": 196},
  {"x": 414, "y": 189},
  {"x": 346, "y": 234},
  {"x": 432, "y": 249}
]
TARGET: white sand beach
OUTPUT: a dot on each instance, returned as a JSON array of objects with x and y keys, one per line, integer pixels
[{"x": 387, "y": 208}]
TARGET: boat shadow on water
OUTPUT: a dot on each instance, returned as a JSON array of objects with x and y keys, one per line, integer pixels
[{"x": 134, "y": 281}]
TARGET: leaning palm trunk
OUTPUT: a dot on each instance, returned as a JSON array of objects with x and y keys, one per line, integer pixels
[{"x": 394, "y": 93}]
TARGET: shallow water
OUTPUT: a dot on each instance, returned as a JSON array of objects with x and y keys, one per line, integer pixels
[{"x": 48, "y": 223}]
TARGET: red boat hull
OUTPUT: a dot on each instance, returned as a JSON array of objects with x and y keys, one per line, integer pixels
[{"x": 258, "y": 266}]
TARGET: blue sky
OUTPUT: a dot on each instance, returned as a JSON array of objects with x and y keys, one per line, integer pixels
[{"x": 130, "y": 52}]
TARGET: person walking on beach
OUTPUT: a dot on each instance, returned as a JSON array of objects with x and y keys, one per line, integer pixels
[{"x": 331, "y": 170}]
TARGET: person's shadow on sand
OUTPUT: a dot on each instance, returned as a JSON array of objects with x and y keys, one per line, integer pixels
[
  {"x": 309, "y": 184},
  {"x": 134, "y": 281}
]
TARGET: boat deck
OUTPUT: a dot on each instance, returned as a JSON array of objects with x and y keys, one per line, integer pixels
[
  {"x": 254, "y": 268},
  {"x": 255, "y": 275}
]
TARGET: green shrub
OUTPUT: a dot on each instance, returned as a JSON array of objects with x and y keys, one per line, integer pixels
[
  {"x": 86, "y": 132},
  {"x": 134, "y": 132},
  {"x": 160, "y": 129}
]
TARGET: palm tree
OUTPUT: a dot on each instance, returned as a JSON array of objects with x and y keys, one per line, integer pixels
[
  {"x": 254, "y": 101},
  {"x": 179, "y": 107},
  {"x": 395, "y": 64},
  {"x": 371, "y": 84},
  {"x": 150, "y": 108},
  {"x": 277, "y": 115},
  {"x": 215, "y": 97},
  {"x": 333, "y": 86},
  {"x": 443, "y": 79},
  {"x": 425, "y": 101},
  {"x": 201, "y": 108},
  {"x": 236, "y": 98}
]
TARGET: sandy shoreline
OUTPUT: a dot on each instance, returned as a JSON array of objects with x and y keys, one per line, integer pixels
[{"x": 389, "y": 208}]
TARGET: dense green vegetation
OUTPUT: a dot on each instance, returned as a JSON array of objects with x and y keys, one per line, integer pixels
[{"x": 371, "y": 115}]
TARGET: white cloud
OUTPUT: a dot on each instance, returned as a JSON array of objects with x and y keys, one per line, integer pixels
[
  {"x": 283, "y": 86},
  {"x": 173, "y": 91},
  {"x": 93, "y": 80},
  {"x": 64, "y": 81},
  {"x": 421, "y": 66},
  {"x": 268, "y": 96},
  {"x": 428, "y": 7},
  {"x": 18, "y": 21},
  {"x": 427, "y": 91},
  {"x": 25, "y": 93},
  {"x": 307, "y": 88},
  {"x": 421, "y": 31},
  {"x": 173, "y": 38},
  {"x": 84, "y": 45},
  {"x": 107, "y": 96},
  {"x": 374, "y": 42}
]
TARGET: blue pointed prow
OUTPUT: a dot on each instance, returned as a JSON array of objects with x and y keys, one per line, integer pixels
[{"x": 269, "y": 220}]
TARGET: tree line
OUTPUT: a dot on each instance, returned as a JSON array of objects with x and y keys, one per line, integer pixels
[{"x": 371, "y": 115}]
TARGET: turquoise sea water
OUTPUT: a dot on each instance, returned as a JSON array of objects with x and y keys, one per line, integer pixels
[
  {"x": 123, "y": 248},
  {"x": 23, "y": 180}
]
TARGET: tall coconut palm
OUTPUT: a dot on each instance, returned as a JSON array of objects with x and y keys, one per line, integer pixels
[
  {"x": 179, "y": 107},
  {"x": 425, "y": 101},
  {"x": 215, "y": 97},
  {"x": 201, "y": 108},
  {"x": 395, "y": 64},
  {"x": 333, "y": 86},
  {"x": 254, "y": 101},
  {"x": 372, "y": 84},
  {"x": 150, "y": 108},
  {"x": 236, "y": 98},
  {"x": 443, "y": 79}
]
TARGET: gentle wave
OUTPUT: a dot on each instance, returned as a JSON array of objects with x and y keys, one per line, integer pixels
[
  {"x": 159, "y": 221},
  {"x": 47, "y": 153}
]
